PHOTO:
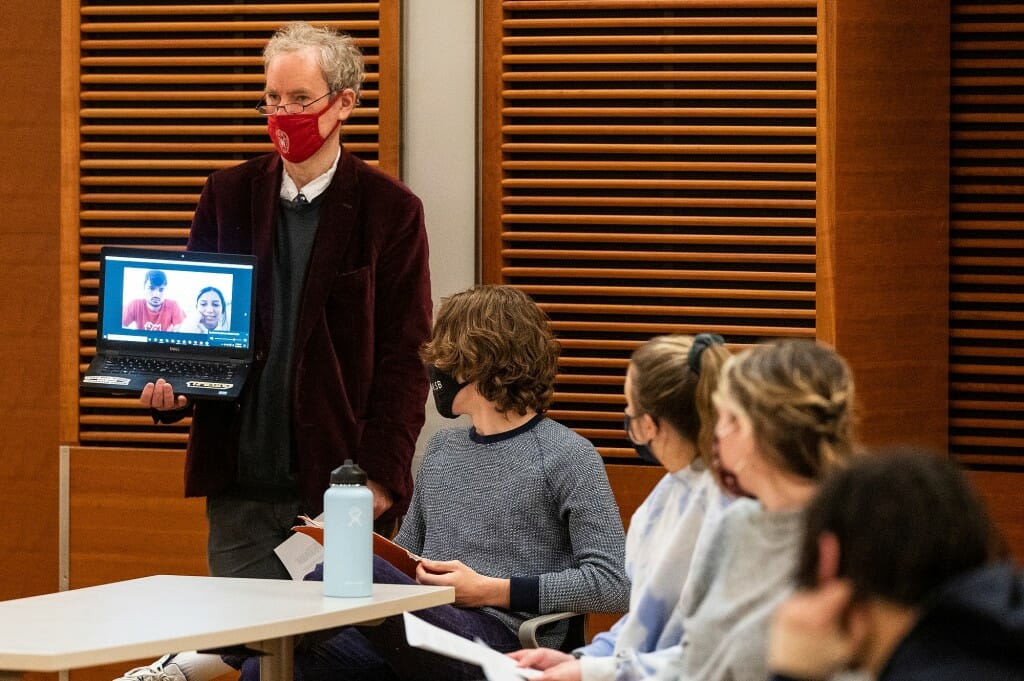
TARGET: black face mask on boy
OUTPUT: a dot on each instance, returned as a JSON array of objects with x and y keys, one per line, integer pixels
[{"x": 445, "y": 387}]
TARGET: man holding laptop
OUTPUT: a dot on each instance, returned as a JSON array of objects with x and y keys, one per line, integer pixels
[
  {"x": 145, "y": 339},
  {"x": 342, "y": 306}
]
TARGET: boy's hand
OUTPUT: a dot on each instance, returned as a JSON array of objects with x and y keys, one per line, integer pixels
[{"x": 472, "y": 590}]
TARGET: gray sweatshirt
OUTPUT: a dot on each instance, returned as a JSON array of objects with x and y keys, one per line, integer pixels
[{"x": 737, "y": 583}]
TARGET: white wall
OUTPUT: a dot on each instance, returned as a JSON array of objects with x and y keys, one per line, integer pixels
[{"x": 439, "y": 134}]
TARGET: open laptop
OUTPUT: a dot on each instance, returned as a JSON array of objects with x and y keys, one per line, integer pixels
[{"x": 185, "y": 317}]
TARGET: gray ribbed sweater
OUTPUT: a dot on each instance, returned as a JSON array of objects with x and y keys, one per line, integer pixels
[{"x": 532, "y": 505}]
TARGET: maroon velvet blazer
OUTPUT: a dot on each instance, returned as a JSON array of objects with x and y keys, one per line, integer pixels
[{"x": 359, "y": 387}]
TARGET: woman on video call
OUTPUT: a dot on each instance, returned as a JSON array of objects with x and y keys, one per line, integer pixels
[{"x": 210, "y": 314}]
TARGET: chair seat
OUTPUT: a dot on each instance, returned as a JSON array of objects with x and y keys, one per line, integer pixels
[{"x": 574, "y": 638}]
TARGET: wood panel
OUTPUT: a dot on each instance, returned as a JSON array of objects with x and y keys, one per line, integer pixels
[
  {"x": 30, "y": 328},
  {"x": 128, "y": 518},
  {"x": 649, "y": 168},
  {"x": 883, "y": 160},
  {"x": 987, "y": 230},
  {"x": 1001, "y": 490}
]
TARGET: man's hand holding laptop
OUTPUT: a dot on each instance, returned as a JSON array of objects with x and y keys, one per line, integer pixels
[{"x": 160, "y": 396}]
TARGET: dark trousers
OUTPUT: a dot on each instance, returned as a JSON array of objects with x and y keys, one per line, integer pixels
[
  {"x": 244, "y": 533},
  {"x": 380, "y": 653}
]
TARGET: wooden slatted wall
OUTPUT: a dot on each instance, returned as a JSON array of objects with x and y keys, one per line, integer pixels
[
  {"x": 987, "y": 239},
  {"x": 649, "y": 167},
  {"x": 165, "y": 96}
]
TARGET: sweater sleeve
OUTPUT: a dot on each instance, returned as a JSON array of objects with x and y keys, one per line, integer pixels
[
  {"x": 598, "y": 583},
  {"x": 169, "y": 416}
]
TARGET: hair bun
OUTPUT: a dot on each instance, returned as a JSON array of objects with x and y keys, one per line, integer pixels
[{"x": 701, "y": 342}]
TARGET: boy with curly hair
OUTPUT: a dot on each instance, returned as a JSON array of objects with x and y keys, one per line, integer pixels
[{"x": 515, "y": 511}]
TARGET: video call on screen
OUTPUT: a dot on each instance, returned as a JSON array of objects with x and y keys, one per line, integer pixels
[{"x": 182, "y": 303}]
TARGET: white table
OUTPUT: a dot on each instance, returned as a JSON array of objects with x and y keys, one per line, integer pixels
[{"x": 145, "y": 618}]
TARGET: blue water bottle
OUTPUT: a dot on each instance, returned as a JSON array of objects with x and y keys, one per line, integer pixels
[{"x": 348, "y": 533}]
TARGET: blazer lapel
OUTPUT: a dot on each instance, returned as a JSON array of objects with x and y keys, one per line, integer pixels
[
  {"x": 266, "y": 193},
  {"x": 337, "y": 220}
]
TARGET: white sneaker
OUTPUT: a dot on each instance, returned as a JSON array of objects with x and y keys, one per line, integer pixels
[{"x": 161, "y": 670}]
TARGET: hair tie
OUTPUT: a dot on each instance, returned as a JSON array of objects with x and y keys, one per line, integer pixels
[{"x": 701, "y": 342}]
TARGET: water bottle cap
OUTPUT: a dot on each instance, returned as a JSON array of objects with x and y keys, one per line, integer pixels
[{"x": 348, "y": 473}]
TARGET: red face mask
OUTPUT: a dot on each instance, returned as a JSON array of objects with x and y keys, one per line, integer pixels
[{"x": 297, "y": 136}]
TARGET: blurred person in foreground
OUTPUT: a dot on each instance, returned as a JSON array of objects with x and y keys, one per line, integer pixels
[{"x": 902, "y": 576}]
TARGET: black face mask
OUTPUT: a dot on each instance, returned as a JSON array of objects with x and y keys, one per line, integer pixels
[
  {"x": 642, "y": 450},
  {"x": 445, "y": 387}
]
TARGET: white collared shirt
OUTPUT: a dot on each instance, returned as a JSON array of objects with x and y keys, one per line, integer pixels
[{"x": 312, "y": 190}]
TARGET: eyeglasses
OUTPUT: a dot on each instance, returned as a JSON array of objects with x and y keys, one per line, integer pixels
[
  {"x": 627, "y": 423},
  {"x": 290, "y": 108}
]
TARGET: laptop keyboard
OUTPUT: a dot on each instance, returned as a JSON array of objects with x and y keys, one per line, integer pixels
[{"x": 169, "y": 368}]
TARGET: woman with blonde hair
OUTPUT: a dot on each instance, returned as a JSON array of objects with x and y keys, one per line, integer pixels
[{"x": 784, "y": 424}]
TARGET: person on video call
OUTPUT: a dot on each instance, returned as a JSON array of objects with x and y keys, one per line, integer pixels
[
  {"x": 211, "y": 312},
  {"x": 342, "y": 306},
  {"x": 153, "y": 312}
]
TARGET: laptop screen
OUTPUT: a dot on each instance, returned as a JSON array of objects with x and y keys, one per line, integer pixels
[{"x": 181, "y": 299}]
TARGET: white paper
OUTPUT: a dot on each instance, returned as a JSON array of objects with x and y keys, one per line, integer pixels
[
  {"x": 421, "y": 634},
  {"x": 500, "y": 672},
  {"x": 301, "y": 553}
]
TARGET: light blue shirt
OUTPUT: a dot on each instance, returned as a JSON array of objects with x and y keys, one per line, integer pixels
[{"x": 672, "y": 524}]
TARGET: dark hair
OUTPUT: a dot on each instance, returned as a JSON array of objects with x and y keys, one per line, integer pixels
[
  {"x": 156, "y": 278},
  {"x": 906, "y": 520},
  {"x": 207, "y": 289},
  {"x": 499, "y": 338},
  {"x": 666, "y": 386}
]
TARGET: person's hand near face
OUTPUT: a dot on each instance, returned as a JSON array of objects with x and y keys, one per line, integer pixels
[
  {"x": 817, "y": 632},
  {"x": 210, "y": 309}
]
